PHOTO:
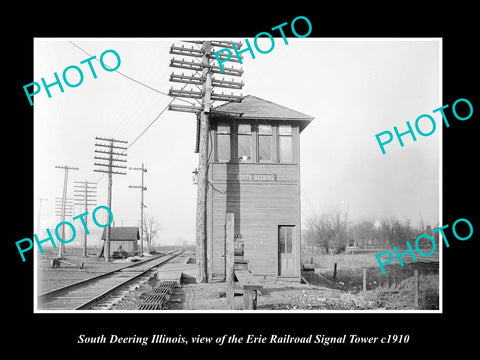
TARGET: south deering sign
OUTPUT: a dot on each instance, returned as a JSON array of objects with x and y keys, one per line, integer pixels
[{"x": 256, "y": 177}]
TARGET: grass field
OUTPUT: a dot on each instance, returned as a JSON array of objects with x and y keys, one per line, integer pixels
[{"x": 392, "y": 289}]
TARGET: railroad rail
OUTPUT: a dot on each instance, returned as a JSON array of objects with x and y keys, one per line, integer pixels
[{"x": 86, "y": 293}]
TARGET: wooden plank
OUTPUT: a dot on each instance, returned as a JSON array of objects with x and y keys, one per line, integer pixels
[
  {"x": 247, "y": 280},
  {"x": 223, "y": 293},
  {"x": 240, "y": 266},
  {"x": 230, "y": 259},
  {"x": 248, "y": 300},
  {"x": 240, "y": 260},
  {"x": 174, "y": 275}
]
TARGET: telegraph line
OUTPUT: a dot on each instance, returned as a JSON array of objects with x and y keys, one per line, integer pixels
[
  {"x": 128, "y": 77},
  {"x": 153, "y": 121},
  {"x": 195, "y": 53},
  {"x": 197, "y": 65},
  {"x": 141, "y": 83}
]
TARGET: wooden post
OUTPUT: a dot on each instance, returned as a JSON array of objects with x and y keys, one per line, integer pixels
[
  {"x": 61, "y": 248},
  {"x": 334, "y": 272},
  {"x": 110, "y": 171},
  {"x": 142, "y": 205},
  {"x": 248, "y": 299},
  {"x": 364, "y": 279},
  {"x": 415, "y": 288},
  {"x": 201, "y": 249},
  {"x": 84, "y": 250},
  {"x": 230, "y": 260},
  {"x": 207, "y": 95},
  {"x": 109, "y": 204},
  {"x": 141, "y": 214}
]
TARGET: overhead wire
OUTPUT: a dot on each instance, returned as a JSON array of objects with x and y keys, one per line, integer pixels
[
  {"x": 129, "y": 77},
  {"x": 141, "y": 83},
  {"x": 287, "y": 171}
]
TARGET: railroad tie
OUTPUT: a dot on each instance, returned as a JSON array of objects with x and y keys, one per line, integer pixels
[{"x": 157, "y": 298}]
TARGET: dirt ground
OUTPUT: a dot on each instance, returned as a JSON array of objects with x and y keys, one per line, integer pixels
[
  {"x": 276, "y": 295},
  {"x": 281, "y": 295},
  {"x": 49, "y": 278},
  {"x": 320, "y": 294}
]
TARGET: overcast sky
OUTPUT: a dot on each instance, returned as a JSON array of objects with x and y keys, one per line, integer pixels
[{"x": 355, "y": 88}]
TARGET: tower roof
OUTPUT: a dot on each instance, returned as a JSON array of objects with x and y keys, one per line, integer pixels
[{"x": 254, "y": 108}]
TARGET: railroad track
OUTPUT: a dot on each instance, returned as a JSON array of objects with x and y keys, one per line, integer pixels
[{"x": 87, "y": 293}]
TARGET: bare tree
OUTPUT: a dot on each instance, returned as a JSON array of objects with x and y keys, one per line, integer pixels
[
  {"x": 364, "y": 233},
  {"x": 395, "y": 233},
  {"x": 331, "y": 229},
  {"x": 151, "y": 228}
]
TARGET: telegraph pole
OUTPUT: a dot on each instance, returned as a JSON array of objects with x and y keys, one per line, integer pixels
[
  {"x": 63, "y": 208},
  {"x": 61, "y": 248},
  {"x": 201, "y": 228},
  {"x": 204, "y": 97},
  {"x": 110, "y": 144},
  {"x": 85, "y": 195},
  {"x": 39, "y": 211},
  {"x": 142, "y": 205}
]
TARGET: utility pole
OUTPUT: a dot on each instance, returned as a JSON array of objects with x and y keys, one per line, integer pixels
[
  {"x": 63, "y": 206},
  {"x": 85, "y": 194},
  {"x": 63, "y": 209},
  {"x": 110, "y": 165},
  {"x": 61, "y": 248},
  {"x": 204, "y": 97},
  {"x": 39, "y": 211},
  {"x": 142, "y": 205}
]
